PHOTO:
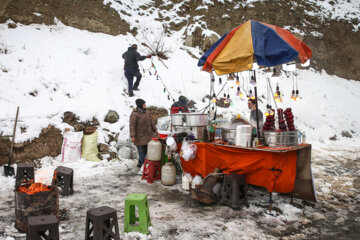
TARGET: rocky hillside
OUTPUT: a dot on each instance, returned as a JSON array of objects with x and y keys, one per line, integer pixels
[{"x": 334, "y": 40}]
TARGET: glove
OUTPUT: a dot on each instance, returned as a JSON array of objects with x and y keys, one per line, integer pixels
[{"x": 148, "y": 56}]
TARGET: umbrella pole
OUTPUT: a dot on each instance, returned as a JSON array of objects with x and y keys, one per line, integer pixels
[{"x": 257, "y": 112}]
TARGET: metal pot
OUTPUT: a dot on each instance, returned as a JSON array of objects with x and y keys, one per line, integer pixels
[
  {"x": 196, "y": 119},
  {"x": 177, "y": 119},
  {"x": 281, "y": 139}
]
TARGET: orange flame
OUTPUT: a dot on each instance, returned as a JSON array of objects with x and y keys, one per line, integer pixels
[{"x": 34, "y": 188}]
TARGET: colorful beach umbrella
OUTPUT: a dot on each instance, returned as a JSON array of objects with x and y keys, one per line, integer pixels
[{"x": 264, "y": 43}]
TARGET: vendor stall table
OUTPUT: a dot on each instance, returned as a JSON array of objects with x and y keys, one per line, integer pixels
[{"x": 283, "y": 170}]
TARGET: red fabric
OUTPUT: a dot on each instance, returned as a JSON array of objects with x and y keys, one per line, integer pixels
[
  {"x": 260, "y": 167},
  {"x": 176, "y": 109}
]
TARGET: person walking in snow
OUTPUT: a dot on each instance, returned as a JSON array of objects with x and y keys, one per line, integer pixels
[
  {"x": 131, "y": 68},
  {"x": 142, "y": 129}
]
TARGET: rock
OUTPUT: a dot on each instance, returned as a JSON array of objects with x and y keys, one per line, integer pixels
[
  {"x": 346, "y": 134},
  {"x": 103, "y": 147},
  {"x": 12, "y": 25},
  {"x": 70, "y": 118},
  {"x": 19, "y": 145},
  {"x": 208, "y": 42},
  {"x": 79, "y": 127},
  {"x": 111, "y": 117},
  {"x": 189, "y": 41}
]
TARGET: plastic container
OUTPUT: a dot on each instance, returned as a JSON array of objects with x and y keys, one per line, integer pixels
[
  {"x": 168, "y": 174},
  {"x": 186, "y": 180},
  {"x": 303, "y": 138},
  {"x": 243, "y": 135},
  {"x": 154, "y": 150},
  {"x": 299, "y": 137},
  {"x": 196, "y": 181},
  {"x": 170, "y": 141}
]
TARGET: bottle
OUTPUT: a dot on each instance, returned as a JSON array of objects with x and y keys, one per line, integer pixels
[
  {"x": 253, "y": 136},
  {"x": 212, "y": 133},
  {"x": 299, "y": 137},
  {"x": 303, "y": 137}
]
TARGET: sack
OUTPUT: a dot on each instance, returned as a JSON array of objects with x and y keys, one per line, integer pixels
[
  {"x": 71, "y": 147},
  {"x": 89, "y": 147},
  {"x": 188, "y": 150}
]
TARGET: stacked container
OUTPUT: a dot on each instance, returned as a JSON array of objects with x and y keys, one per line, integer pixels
[{"x": 243, "y": 136}]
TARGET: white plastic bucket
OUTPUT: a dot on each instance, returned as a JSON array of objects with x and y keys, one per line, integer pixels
[{"x": 243, "y": 136}]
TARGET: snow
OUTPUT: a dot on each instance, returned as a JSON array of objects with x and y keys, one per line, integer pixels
[{"x": 47, "y": 70}]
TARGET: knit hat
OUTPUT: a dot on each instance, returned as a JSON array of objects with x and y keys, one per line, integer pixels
[
  {"x": 139, "y": 103},
  {"x": 183, "y": 99}
]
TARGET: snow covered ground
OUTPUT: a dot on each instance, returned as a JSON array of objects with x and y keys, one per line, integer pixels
[{"x": 47, "y": 70}]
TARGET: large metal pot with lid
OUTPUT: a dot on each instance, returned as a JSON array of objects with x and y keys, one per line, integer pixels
[
  {"x": 177, "y": 119},
  {"x": 196, "y": 119}
]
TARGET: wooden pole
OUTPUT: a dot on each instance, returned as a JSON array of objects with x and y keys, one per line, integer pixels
[{"x": 256, "y": 102}]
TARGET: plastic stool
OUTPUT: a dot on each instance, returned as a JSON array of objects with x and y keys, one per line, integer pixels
[
  {"x": 63, "y": 178},
  {"x": 152, "y": 171},
  {"x": 43, "y": 227},
  {"x": 234, "y": 190},
  {"x": 24, "y": 173},
  {"x": 100, "y": 223},
  {"x": 138, "y": 200}
]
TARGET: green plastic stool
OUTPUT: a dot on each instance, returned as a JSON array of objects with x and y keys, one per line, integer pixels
[{"x": 130, "y": 220}]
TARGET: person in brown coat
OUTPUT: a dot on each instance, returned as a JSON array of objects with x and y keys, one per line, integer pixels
[{"x": 142, "y": 129}]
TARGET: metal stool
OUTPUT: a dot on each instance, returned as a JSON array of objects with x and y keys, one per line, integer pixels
[
  {"x": 234, "y": 190},
  {"x": 131, "y": 222},
  {"x": 152, "y": 171},
  {"x": 63, "y": 178},
  {"x": 100, "y": 224},
  {"x": 43, "y": 227},
  {"x": 24, "y": 173}
]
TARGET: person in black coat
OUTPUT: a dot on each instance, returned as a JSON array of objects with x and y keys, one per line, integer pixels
[
  {"x": 131, "y": 67},
  {"x": 180, "y": 106}
]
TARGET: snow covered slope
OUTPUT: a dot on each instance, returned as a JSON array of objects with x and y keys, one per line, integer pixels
[{"x": 47, "y": 70}]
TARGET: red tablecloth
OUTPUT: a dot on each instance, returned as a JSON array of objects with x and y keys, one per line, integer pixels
[{"x": 275, "y": 171}]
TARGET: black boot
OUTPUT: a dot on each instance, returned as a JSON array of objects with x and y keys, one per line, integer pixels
[{"x": 131, "y": 94}]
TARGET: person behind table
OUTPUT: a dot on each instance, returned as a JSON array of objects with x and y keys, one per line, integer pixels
[
  {"x": 180, "y": 105},
  {"x": 252, "y": 119},
  {"x": 131, "y": 68},
  {"x": 142, "y": 129},
  {"x": 253, "y": 108}
]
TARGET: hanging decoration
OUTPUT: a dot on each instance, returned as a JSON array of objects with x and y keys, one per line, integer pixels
[
  {"x": 230, "y": 77},
  {"x": 251, "y": 95},
  {"x": 169, "y": 96},
  {"x": 277, "y": 94},
  {"x": 237, "y": 80}
]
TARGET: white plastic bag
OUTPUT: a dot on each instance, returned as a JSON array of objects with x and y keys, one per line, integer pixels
[
  {"x": 71, "y": 147},
  {"x": 189, "y": 150},
  {"x": 163, "y": 123}
]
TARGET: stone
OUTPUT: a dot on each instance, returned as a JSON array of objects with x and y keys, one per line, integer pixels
[
  {"x": 111, "y": 117},
  {"x": 208, "y": 42},
  {"x": 189, "y": 41},
  {"x": 12, "y": 25}
]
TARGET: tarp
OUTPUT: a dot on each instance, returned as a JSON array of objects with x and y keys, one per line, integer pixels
[
  {"x": 269, "y": 45},
  {"x": 275, "y": 171}
]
